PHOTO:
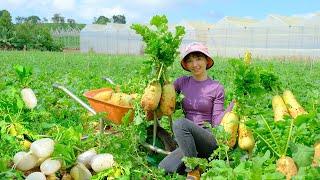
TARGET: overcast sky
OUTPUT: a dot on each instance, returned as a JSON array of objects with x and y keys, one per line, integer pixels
[{"x": 83, "y": 11}]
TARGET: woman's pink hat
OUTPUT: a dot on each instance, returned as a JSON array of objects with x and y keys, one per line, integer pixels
[{"x": 196, "y": 47}]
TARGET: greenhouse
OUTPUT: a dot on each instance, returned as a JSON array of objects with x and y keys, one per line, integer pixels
[
  {"x": 274, "y": 36},
  {"x": 110, "y": 39}
]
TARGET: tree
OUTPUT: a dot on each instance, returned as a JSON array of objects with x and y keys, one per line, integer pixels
[
  {"x": 57, "y": 18},
  {"x": 33, "y": 19},
  {"x": 44, "y": 20},
  {"x": 5, "y": 20},
  {"x": 20, "y": 19},
  {"x": 101, "y": 20},
  {"x": 71, "y": 21},
  {"x": 120, "y": 19},
  {"x": 6, "y": 29}
]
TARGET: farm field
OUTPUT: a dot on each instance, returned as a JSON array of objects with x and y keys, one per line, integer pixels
[{"x": 59, "y": 117}]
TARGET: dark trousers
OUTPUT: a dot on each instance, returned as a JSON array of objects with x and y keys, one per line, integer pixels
[{"x": 193, "y": 141}]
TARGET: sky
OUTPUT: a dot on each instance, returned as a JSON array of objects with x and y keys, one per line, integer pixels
[{"x": 141, "y": 11}]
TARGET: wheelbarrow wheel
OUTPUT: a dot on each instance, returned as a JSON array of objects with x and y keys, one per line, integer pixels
[{"x": 164, "y": 137}]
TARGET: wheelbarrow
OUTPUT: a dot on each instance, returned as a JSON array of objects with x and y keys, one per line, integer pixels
[{"x": 112, "y": 110}]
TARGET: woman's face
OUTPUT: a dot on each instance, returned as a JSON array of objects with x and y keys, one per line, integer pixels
[{"x": 196, "y": 63}]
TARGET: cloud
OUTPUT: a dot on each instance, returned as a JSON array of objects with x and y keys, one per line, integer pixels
[
  {"x": 64, "y": 5},
  {"x": 305, "y": 16}
]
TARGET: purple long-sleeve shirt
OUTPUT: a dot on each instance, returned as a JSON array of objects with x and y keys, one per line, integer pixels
[{"x": 203, "y": 100}]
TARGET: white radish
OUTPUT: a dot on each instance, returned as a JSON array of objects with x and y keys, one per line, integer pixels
[
  {"x": 29, "y": 98},
  {"x": 42, "y": 148},
  {"x": 86, "y": 157},
  {"x": 101, "y": 162},
  {"x": 36, "y": 176},
  {"x": 80, "y": 172},
  {"x": 50, "y": 166},
  {"x": 25, "y": 161}
]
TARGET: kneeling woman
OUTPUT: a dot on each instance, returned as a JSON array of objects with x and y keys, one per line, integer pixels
[{"x": 203, "y": 102}]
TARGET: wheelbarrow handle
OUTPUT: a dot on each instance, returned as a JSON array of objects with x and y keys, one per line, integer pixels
[
  {"x": 109, "y": 80},
  {"x": 83, "y": 104}
]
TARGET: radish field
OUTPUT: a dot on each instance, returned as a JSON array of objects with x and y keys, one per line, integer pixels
[{"x": 59, "y": 117}]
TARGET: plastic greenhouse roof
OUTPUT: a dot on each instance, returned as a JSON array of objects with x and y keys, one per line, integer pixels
[
  {"x": 237, "y": 21},
  {"x": 196, "y": 25},
  {"x": 94, "y": 27},
  {"x": 312, "y": 21},
  {"x": 280, "y": 21},
  {"x": 288, "y": 20}
]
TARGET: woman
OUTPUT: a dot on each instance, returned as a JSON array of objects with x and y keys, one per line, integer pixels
[{"x": 203, "y": 102}]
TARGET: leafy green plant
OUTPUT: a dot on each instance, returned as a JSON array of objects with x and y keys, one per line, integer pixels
[{"x": 161, "y": 44}]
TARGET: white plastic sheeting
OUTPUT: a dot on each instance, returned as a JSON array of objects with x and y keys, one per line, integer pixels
[
  {"x": 110, "y": 39},
  {"x": 230, "y": 37}
]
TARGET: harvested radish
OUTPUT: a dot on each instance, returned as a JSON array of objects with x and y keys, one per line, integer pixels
[
  {"x": 279, "y": 108},
  {"x": 29, "y": 98},
  {"x": 247, "y": 57},
  {"x": 168, "y": 99},
  {"x": 24, "y": 161},
  {"x": 80, "y": 172},
  {"x": 101, "y": 162},
  {"x": 36, "y": 176},
  {"x": 86, "y": 157},
  {"x": 26, "y": 144},
  {"x": 286, "y": 166},
  {"x": 121, "y": 99},
  {"x": 151, "y": 96},
  {"x": 295, "y": 109},
  {"x": 230, "y": 123},
  {"x": 104, "y": 95},
  {"x": 316, "y": 157},
  {"x": 245, "y": 140},
  {"x": 50, "y": 166},
  {"x": 150, "y": 115},
  {"x": 42, "y": 148}
]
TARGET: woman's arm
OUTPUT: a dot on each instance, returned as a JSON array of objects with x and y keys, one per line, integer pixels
[{"x": 218, "y": 106}]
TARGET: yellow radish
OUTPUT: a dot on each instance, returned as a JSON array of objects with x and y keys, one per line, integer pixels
[
  {"x": 245, "y": 140},
  {"x": 104, "y": 95},
  {"x": 26, "y": 144},
  {"x": 151, "y": 96},
  {"x": 279, "y": 108},
  {"x": 168, "y": 99},
  {"x": 247, "y": 57},
  {"x": 80, "y": 172},
  {"x": 150, "y": 115},
  {"x": 12, "y": 130},
  {"x": 295, "y": 109},
  {"x": 230, "y": 123},
  {"x": 286, "y": 166},
  {"x": 316, "y": 157},
  {"x": 121, "y": 99}
]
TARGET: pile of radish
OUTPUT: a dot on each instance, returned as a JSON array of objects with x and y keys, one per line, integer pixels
[
  {"x": 116, "y": 98},
  {"x": 40, "y": 153}
]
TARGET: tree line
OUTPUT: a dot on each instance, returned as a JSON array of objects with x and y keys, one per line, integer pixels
[
  {"x": 58, "y": 18},
  {"x": 26, "y": 35},
  {"x": 32, "y": 32}
]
